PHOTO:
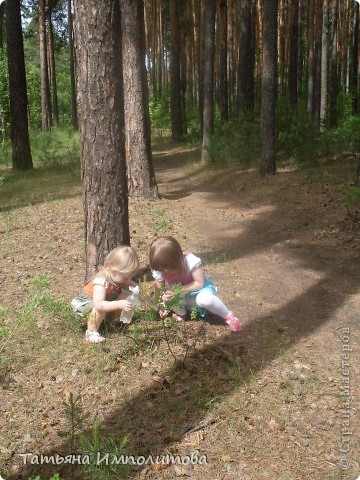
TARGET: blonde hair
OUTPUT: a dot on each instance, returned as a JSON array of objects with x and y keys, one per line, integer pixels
[
  {"x": 124, "y": 259},
  {"x": 166, "y": 255}
]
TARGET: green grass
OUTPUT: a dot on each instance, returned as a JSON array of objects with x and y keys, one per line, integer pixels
[{"x": 56, "y": 172}]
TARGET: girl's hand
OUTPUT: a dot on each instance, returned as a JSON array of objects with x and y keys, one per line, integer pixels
[
  {"x": 124, "y": 305},
  {"x": 168, "y": 295}
]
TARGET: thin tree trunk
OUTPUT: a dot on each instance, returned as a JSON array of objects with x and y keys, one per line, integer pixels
[
  {"x": 223, "y": 83},
  {"x": 153, "y": 46},
  {"x": 101, "y": 121},
  {"x": 74, "y": 119},
  {"x": 230, "y": 54},
  {"x": 44, "y": 76},
  {"x": 281, "y": 45},
  {"x": 293, "y": 60},
  {"x": 268, "y": 88},
  {"x": 317, "y": 62},
  {"x": 202, "y": 22},
  {"x": 355, "y": 59},
  {"x": 324, "y": 65},
  {"x": 310, "y": 99},
  {"x": 300, "y": 48},
  {"x": 21, "y": 153},
  {"x": 244, "y": 54},
  {"x": 209, "y": 57},
  {"x": 140, "y": 171},
  {"x": 159, "y": 44},
  {"x": 176, "y": 94},
  {"x": 333, "y": 67},
  {"x": 52, "y": 70}
]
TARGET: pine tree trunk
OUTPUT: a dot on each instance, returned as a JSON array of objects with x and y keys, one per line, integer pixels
[
  {"x": 223, "y": 83},
  {"x": 44, "y": 69},
  {"x": 324, "y": 65},
  {"x": 74, "y": 119},
  {"x": 268, "y": 88},
  {"x": 140, "y": 171},
  {"x": 101, "y": 121},
  {"x": 333, "y": 66},
  {"x": 202, "y": 22},
  {"x": 21, "y": 153},
  {"x": 176, "y": 94},
  {"x": 52, "y": 70},
  {"x": 153, "y": 47},
  {"x": 355, "y": 60},
  {"x": 209, "y": 57},
  {"x": 281, "y": 45},
  {"x": 293, "y": 60},
  {"x": 244, "y": 54},
  {"x": 300, "y": 47},
  {"x": 230, "y": 54},
  {"x": 317, "y": 62},
  {"x": 159, "y": 45},
  {"x": 310, "y": 99}
]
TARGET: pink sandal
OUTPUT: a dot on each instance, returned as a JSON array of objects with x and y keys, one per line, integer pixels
[{"x": 178, "y": 317}]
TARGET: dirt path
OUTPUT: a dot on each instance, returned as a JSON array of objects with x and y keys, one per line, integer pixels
[{"x": 283, "y": 396}]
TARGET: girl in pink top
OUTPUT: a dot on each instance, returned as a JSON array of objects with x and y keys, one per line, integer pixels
[{"x": 170, "y": 265}]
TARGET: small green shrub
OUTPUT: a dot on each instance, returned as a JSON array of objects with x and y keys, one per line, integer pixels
[
  {"x": 93, "y": 444},
  {"x": 352, "y": 197}
]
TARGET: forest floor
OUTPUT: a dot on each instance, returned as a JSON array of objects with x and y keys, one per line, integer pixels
[{"x": 277, "y": 401}]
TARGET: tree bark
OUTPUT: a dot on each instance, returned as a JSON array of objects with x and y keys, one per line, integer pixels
[
  {"x": 175, "y": 65},
  {"x": 268, "y": 88},
  {"x": 209, "y": 57},
  {"x": 324, "y": 65},
  {"x": 74, "y": 119},
  {"x": 201, "y": 56},
  {"x": 317, "y": 62},
  {"x": 21, "y": 153},
  {"x": 244, "y": 54},
  {"x": 355, "y": 60},
  {"x": 44, "y": 69},
  {"x": 333, "y": 66},
  {"x": 223, "y": 83},
  {"x": 140, "y": 171},
  {"x": 101, "y": 121},
  {"x": 52, "y": 70},
  {"x": 293, "y": 64},
  {"x": 310, "y": 99}
]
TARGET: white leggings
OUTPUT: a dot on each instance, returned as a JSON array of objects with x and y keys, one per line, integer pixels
[{"x": 208, "y": 301}]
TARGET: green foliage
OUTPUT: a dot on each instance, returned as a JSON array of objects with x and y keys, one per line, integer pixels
[
  {"x": 295, "y": 139},
  {"x": 76, "y": 420},
  {"x": 43, "y": 302},
  {"x": 159, "y": 107},
  {"x": 58, "y": 148},
  {"x": 236, "y": 141},
  {"x": 345, "y": 138},
  {"x": 159, "y": 305},
  {"x": 93, "y": 444},
  {"x": 352, "y": 197},
  {"x": 154, "y": 216}
]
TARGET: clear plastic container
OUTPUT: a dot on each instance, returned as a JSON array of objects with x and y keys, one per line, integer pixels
[{"x": 126, "y": 317}]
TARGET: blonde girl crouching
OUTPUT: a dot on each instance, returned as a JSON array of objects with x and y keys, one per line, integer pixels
[{"x": 104, "y": 293}]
